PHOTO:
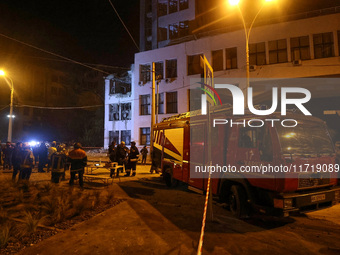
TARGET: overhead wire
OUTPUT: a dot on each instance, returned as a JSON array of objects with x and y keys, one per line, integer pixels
[
  {"x": 127, "y": 30},
  {"x": 52, "y": 53}
]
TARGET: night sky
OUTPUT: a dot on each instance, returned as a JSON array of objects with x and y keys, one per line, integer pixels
[{"x": 85, "y": 30}]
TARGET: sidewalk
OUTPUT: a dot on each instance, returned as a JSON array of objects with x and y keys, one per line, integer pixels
[{"x": 131, "y": 227}]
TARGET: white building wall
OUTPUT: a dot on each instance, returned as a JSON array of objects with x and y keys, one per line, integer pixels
[
  {"x": 286, "y": 30},
  {"x": 117, "y": 125}
]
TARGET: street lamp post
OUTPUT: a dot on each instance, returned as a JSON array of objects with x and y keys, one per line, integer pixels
[
  {"x": 247, "y": 34},
  {"x": 10, "y": 121}
]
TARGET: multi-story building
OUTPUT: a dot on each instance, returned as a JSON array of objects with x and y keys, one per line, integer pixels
[
  {"x": 305, "y": 44},
  {"x": 118, "y": 110}
]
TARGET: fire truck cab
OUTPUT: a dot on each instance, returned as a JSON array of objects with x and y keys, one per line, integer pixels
[{"x": 304, "y": 155}]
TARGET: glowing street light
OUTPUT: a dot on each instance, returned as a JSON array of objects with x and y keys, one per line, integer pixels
[
  {"x": 10, "y": 116},
  {"x": 247, "y": 32}
]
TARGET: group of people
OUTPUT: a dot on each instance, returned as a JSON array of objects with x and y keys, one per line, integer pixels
[
  {"x": 22, "y": 158},
  {"x": 125, "y": 156}
]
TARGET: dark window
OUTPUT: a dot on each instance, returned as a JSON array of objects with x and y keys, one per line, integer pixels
[
  {"x": 145, "y": 136},
  {"x": 159, "y": 70},
  {"x": 217, "y": 60},
  {"x": 194, "y": 64},
  {"x": 114, "y": 112},
  {"x": 171, "y": 102},
  {"x": 183, "y": 28},
  {"x": 161, "y": 103},
  {"x": 323, "y": 45},
  {"x": 145, "y": 105},
  {"x": 171, "y": 68},
  {"x": 183, "y": 4},
  {"x": 173, "y": 6},
  {"x": 162, "y": 7},
  {"x": 126, "y": 136},
  {"x": 299, "y": 47},
  {"x": 145, "y": 73},
  {"x": 257, "y": 54},
  {"x": 277, "y": 51},
  {"x": 173, "y": 31},
  {"x": 231, "y": 58},
  {"x": 162, "y": 34},
  {"x": 126, "y": 111},
  {"x": 113, "y": 136},
  {"x": 247, "y": 138}
]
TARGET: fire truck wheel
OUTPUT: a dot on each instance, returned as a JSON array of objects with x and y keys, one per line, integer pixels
[
  {"x": 238, "y": 201},
  {"x": 169, "y": 181}
]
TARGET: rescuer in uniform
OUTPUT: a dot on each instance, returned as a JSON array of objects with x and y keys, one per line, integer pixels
[
  {"x": 121, "y": 154},
  {"x": 132, "y": 161},
  {"x": 78, "y": 160}
]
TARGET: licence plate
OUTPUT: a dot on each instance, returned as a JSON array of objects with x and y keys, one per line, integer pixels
[{"x": 317, "y": 198}]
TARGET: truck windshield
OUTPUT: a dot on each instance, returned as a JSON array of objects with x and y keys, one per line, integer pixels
[{"x": 309, "y": 138}]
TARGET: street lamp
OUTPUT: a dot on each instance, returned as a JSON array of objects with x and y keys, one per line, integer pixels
[
  {"x": 10, "y": 116},
  {"x": 247, "y": 32}
]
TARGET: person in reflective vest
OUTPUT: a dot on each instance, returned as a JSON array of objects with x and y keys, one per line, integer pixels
[
  {"x": 78, "y": 161},
  {"x": 58, "y": 162}
]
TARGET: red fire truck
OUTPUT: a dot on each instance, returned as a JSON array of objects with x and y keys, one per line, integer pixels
[{"x": 305, "y": 156}]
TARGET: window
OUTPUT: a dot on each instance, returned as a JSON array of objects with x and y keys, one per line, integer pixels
[
  {"x": 145, "y": 136},
  {"x": 277, "y": 51},
  {"x": 113, "y": 112},
  {"x": 173, "y": 31},
  {"x": 145, "y": 73},
  {"x": 161, "y": 103},
  {"x": 162, "y": 7},
  {"x": 247, "y": 138},
  {"x": 159, "y": 70},
  {"x": 126, "y": 111},
  {"x": 257, "y": 54},
  {"x": 162, "y": 34},
  {"x": 323, "y": 45},
  {"x": 183, "y": 28},
  {"x": 173, "y": 6},
  {"x": 299, "y": 47},
  {"x": 145, "y": 106},
  {"x": 183, "y": 4},
  {"x": 171, "y": 102},
  {"x": 125, "y": 136},
  {"x": 113, "y": 136},
  {"x": 231, "y": 58},
  {"x": 194, "y": 64},
  {"x": 217, "y": 60},
  {"x": 171, "y": 68}
]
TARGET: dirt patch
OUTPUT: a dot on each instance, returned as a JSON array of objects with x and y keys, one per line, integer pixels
[{"x": 32, "y": 212}]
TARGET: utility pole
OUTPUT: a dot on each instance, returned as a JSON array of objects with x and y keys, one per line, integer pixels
[{"x": 153, "y": 104}]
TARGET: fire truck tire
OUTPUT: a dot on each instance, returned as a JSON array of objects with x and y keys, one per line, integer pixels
[
  {"x": 169, "y": 181},
  {"x": 238, "y": 201}
]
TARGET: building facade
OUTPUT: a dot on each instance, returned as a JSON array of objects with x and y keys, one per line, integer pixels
[
  {"x": 118, "y": 110},
  {"x": 301, "y": 46}
]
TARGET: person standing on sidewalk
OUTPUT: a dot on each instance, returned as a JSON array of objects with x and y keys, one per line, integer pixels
[
  {"x": 121, "y": 154},
  {"x": 52, "y": 149},
  {"x": 42, "y": 157},
  {"x": 78, "y": 160},
  {"x": 144, "y": 153},
  {"x": 133, "y": 158},
  {"x": 16, "y": 159},
  {"x": 27, "y": 163},
  {"x": 8, "y": 156}
]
